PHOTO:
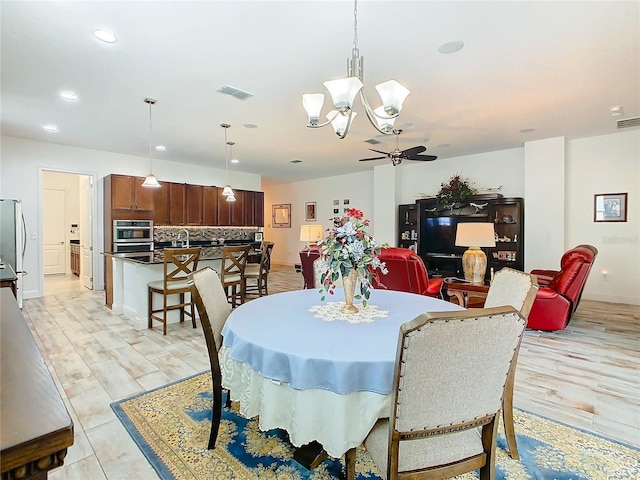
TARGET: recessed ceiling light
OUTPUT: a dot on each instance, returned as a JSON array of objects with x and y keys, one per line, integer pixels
[
  {"x": 235, "y": 160},
  {"x": 296, "y": 161},
  {"x": 527, "y": 130},
  {"x": 451, "y": 47},
  {"x": 105, "y": 35},
  {"x": 250, "y": 125},
  {"x": 50, "y": 128},
  {"x": 69, "y": 95},
  {"x": 161, "y": 148}
]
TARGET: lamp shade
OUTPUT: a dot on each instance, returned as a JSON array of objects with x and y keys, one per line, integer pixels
[
  {"x": 384, "y": 124},
  {"x": 340, "y": 122},
  {"x": 310, "y": 233},
  {"x": 475, "y": 235},
  {"x": 312, "y": 103},
  {"x": 343, "y": 92},
  {"x": 392, "y": 95},
  {"x": 151, "y": 181}
]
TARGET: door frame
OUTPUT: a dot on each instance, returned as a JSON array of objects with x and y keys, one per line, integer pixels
[{"x": 94, "y": 221}]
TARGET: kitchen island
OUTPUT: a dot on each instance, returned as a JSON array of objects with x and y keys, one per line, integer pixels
[{"x": 130, "y": 276}]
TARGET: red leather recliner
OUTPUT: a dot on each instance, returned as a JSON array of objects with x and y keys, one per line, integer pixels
[
  {"x": 407, "y": 273},
  {"x": 560, "y": 291},
  {"x": 307, "y": 256}
]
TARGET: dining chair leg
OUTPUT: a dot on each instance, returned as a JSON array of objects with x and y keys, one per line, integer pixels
[
  {"x": 150, "y": 305},
  {"x": 193, "y": 313},
  {"x": 350, "y": 463},
  {"x": 507, "y": 412},
  {"x": 182, "y": 307}
]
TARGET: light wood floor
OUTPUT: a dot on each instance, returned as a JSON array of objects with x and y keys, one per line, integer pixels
[{"x": 587, "y": 376}]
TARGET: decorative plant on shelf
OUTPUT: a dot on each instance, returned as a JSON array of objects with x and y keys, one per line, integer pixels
[
  {"x": 455, "y": 190},
  {"x": 350, "y": 251}
]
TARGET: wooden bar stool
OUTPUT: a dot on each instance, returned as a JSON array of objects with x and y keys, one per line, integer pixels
[
  {"x": 259, "y": 272},
  {"x": 234, "y": 261},
  {"x": 178, "y": 264}
]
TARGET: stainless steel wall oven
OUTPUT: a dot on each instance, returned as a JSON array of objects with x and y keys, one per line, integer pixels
[{"x": 132, "y": 236}]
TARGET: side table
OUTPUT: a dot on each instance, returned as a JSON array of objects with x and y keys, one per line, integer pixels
[{"x": 462, "y": 290}]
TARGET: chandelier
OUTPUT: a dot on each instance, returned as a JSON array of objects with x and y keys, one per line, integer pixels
[
  {"x": 343, "y": 93},
  {"x": 150, "y": 180},
  {"x": 227, "y": 191}
]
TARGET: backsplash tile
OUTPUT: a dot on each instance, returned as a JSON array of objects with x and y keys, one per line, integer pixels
[{"x": 165, "y": 233}]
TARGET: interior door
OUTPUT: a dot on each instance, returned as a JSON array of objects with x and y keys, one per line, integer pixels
[
  {"x": 54, "y": 253},
  {"x": 86, "y": 239}
]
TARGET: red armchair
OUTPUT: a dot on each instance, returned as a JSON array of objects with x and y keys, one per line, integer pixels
[
  {"x": 307, "y": 256},
  {"x": 407, "y": 273},
  {"x": 560, "y": 291}
]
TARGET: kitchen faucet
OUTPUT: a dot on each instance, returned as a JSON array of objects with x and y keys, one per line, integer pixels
[{"x": 186, "y": 235}]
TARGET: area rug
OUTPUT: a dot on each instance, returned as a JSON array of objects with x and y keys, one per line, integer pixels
[{"x": 171, "y": 426}]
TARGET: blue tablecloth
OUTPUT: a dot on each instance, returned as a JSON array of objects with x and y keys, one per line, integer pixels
[{"x": 280, "y": 339}]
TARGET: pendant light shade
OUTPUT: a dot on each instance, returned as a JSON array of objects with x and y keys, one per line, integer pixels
[
  {"x": 227, "y": 191},
  {"x": 150, "y": 180}
]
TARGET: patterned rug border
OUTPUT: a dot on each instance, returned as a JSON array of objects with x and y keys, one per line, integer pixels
[{"x": 164, "y": 472}]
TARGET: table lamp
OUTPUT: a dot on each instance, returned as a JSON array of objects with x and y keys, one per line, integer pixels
[
  {"x": 310, "y": 234},
  {"x": 474, "y": 260}
]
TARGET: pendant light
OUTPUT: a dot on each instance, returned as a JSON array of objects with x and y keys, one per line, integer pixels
[
  {"x": 150, "y": 180},
  {"x": 227, "y": 191},
  {"x": 231, "y": 197}
]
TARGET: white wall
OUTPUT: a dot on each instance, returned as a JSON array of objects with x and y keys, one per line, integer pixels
[
  {"x": 356, "y": 187},
  {"x": 603, "y": 164},
  {"x": 21, "y": 164}
]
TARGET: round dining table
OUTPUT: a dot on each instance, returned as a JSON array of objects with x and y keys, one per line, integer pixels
[{"x": 301, "y": 365}]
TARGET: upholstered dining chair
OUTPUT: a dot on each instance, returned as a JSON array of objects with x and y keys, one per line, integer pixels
[
  {"x": 449, "y": 379},
  {"x": 178, "y": 264},
  {"x": 213, "y": 309},
  {"x": 234, "y": 261},
  {"x": 259, "y": 272},
  {"x": 518, "y": 289}
]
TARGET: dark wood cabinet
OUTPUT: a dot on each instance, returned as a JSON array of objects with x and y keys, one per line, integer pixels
[
  {"x": 161, "y": 204},
  {"x": 437, "y": 225},
  {"x": 210, "y": 202},
  {"x": 127, "y": 193},
  {"x": 408, "y": 226},
  {"x": 177, "y": 203},
  {"x": 237, "y": 209},
  {"x": 253, "y": 208},
  {"x": 194, "y": 204}
]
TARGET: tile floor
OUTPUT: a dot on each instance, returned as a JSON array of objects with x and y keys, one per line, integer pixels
[{"x": 587, "y": 376}]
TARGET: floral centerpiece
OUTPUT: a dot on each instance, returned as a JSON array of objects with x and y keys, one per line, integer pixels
[
  {"x": 456, "y": 189},
  {"x": 349, "y": 251}
]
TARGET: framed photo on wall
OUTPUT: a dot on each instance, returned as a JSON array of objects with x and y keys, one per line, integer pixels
[
  {"x": 610, "y": 207},
  {"x": 310, "y": 211},
  {"x": 257, "y": 236},
  {"x": 281, "y": 214}
]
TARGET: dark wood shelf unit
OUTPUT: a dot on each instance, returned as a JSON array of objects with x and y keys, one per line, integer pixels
[
  {"x": 408, "y": 226},
  {"x": 507, "y": 215}
]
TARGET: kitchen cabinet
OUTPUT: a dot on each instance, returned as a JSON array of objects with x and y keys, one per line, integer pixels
[
  {"x": 75, "y": 259},
  {"x": 161, "y": 204},
  {"x": 177, "y": 214},
  {"x": 253, "y": 208},
  {"x": 127, "y": 193},
  {"x": 231, "y": 213},
  {"x": 194, "y": 205},
  {"x": 210, "y": 201}
]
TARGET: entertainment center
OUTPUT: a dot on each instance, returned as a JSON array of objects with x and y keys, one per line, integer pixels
[{"x": 431, "y": 228}]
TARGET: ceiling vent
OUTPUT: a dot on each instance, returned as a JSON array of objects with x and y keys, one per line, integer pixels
[
  {"x": 372, "y": 141},
  {"x": 234, "y": 92},
  {"x": 629, "y": 122}
]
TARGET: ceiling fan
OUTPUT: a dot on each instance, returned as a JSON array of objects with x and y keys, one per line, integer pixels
[{"x": 397, "y": 156}]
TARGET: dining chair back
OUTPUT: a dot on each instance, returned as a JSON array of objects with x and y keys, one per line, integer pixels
[
  {"x": 259, "y": 272},
  {"x": 450, "y": 372},
  {"x": 213, "y": 309},
  {"x": 518, "y": 289},
  {"x": 234, "y": 261},
  {"x": 178, "y": 264}
]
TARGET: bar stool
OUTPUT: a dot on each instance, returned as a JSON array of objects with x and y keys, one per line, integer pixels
[
  {"x": 259, "y": 272},
  {"x": 178, "y": 264},
  {"x": 234, "y": 261}
]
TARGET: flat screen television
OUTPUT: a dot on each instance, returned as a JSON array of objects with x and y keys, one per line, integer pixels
[{"x": 438, "y": 234}]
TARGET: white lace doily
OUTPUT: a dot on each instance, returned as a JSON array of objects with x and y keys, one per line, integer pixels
[{"x": 330, "y": 312}]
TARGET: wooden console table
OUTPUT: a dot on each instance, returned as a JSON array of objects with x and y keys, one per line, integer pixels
[
  {"x": 36, "y": 427},
  {"x": 462, "y": 290}
]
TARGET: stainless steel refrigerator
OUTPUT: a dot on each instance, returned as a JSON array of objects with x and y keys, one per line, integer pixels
[{"x": 13, "y": 239}]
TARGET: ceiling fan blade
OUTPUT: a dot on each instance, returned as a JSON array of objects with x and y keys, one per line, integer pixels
[
  {"x": 373, "y": 158},
  {"x": 378, "y": 151},
  {"x": 410, "y": 152},
  {"x": 424, "y": 158}
]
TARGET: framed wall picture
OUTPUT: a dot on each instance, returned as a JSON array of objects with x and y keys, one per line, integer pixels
[
  {"x": 281, "y": 214},
  {"x": 257, "y": 236},
  {"x": 310, "y": 211},
  {"x": 610, "y": 207}
]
